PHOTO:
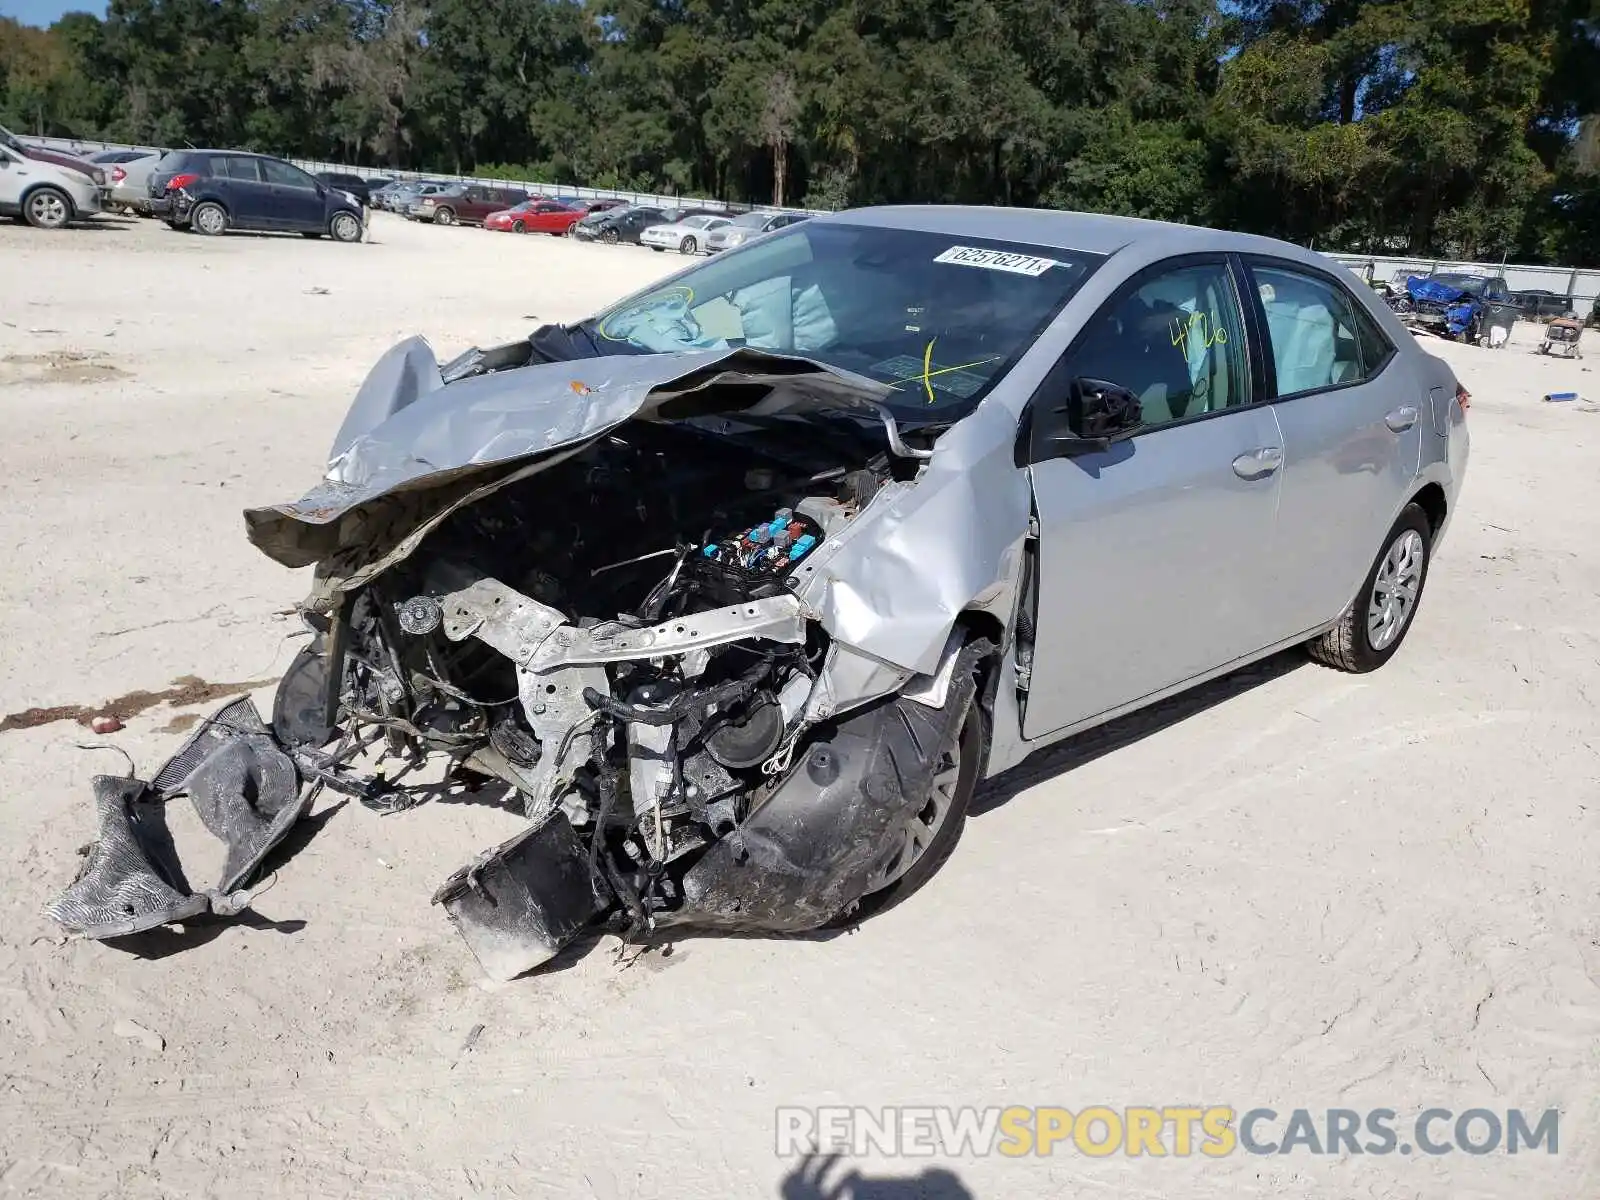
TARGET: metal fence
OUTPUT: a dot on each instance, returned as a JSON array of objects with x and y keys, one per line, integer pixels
[{"x": 654, "y": 199}]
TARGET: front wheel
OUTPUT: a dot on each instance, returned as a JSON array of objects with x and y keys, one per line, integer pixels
[
  {"x": 47, "y": 208},
  {"x": 209, "y": 218},
  {"x": 444, "y": 216},
  {"x": 345, "y": 227},
  {"x": 929, "y": 835},
  {"x": 518, "y": 227},
  {"x": 1372, "y": 628},
  {"x": 609, "y": 237},
  {"x": 659, "y": 249},
  {"x": 688, "y": 246}
]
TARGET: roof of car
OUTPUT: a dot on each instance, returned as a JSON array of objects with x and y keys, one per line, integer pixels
[{"x": 1092, "y": 233}]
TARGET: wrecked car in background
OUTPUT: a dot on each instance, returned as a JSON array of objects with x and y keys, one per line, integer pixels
[
  {"x": 742, "y": 585},
  {"x": 1472, "y": 308}
]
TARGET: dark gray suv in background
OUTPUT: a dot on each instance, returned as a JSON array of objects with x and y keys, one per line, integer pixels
[{"x": 213, "y": 191}]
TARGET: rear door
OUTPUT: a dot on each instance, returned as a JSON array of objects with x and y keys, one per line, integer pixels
[
  {"x": 244, "y": 190},
  {"x": 1156, "y": 555},
  {"x": 1352, "y": 416},
  {"x": 296, "y": 198}
]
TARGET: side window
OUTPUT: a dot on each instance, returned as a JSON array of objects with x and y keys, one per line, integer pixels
[
  {"x": 1311, "y": 327},
  {"x": 283, "y": 174},
  {"x": 243, "y": 169},
  {"x": 1176, "y": 341},
  {"x": 1376, "y": 348}
]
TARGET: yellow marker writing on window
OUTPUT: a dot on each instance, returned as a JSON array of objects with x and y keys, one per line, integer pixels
[{"x": 1211, "y": 334}]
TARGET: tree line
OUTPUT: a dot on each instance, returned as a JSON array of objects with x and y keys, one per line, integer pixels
[{"x": 1463, "y": 129}]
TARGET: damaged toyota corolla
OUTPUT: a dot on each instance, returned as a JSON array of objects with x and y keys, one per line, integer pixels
[{"x": 742, "y": 585}]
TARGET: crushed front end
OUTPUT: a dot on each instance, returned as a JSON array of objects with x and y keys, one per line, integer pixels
[{"x": 612, "y": 626}]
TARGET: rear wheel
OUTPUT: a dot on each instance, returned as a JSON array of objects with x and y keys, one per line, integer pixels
[
  {"x": 345, "y": 227},
  {"x": 444, "y": 216},
  {"x": 47, "y": 208},
  {"x": 309, "y": 234},
  {"x": 1372, "y": 628},
  {"x": 209, "y": 218}
]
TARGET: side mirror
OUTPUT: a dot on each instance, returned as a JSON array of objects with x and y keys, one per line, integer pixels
[{"x": 1097, "y": 413}]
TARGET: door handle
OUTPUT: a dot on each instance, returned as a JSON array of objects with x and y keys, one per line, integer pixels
[
  {"x": 1259, "y": 463},
  {"x": 1401, "y": 419}
]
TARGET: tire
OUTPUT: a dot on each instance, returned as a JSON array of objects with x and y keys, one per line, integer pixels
[
  {"x": 659, "y": 249},
  {"x": 209, "y": 218},
  {"x": 688, "y": 246},
  {"x": 306, "y": 233},
  {"x": 1363, "y": 640},
  {"x": 444, "y": 216},
  {"x": 47, "y": 208},
  {"x": 969, "y": 751},
  {"x": 518, "y": 227},
  {"x": 609, "y": 237},
  {"x": 344, "y": 227}
]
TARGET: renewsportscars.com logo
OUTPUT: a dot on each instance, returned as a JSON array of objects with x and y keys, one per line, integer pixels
[{"x": 1178, "y": 1131}]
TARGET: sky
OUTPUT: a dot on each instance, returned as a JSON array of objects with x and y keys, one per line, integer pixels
[{"x": 46, "y": 12}]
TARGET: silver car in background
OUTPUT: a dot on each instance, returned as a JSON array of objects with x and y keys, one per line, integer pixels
[
  {"x": 686, "y": 236},
  {"x": 742, "y": 585},
  {"x": 128, "y": 177},
  {"x": 746, "y": 226}
]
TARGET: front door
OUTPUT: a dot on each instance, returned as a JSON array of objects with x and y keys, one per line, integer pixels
[
  {"x": 1156, "y": 555},
  {"x": 297, "y": 202}
]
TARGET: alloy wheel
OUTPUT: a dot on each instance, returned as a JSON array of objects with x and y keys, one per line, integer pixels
[
  {"x": 922, "y": 826},
  {"x": 1394, "y": 589},
  {"x": 47, "y": 210}
]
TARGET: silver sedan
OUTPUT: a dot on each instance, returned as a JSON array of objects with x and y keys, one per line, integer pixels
[{"x": 743, "y": 584}]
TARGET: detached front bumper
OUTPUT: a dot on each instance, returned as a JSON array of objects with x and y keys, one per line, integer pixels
[{"x": 246, "y": 790}]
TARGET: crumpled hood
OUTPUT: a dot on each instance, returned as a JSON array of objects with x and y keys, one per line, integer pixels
[{"x": 408, "y": 432}]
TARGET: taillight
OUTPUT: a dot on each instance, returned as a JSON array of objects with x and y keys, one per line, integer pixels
[
  {"x": 1463, "y": 397},
  {"x": 179, "y": 182},
  {"x": 118, "y": 174}
]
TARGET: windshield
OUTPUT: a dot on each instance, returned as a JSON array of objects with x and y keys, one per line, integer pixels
[
  {"x": 9, "y": 140},
  {"x": 1473, "y": 284},
  {"x": 937, "y": 318}
]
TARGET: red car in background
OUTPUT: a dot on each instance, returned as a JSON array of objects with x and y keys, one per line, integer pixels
[{"x": 535, "y": 216}]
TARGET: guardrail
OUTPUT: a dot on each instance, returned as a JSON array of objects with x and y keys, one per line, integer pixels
[{"x": 654, "y": 199}]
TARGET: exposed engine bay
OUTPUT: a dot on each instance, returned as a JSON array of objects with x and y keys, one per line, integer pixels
[{"x": 619, "y": 639}]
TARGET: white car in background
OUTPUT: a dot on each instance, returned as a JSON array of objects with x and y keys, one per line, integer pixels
[
  {"x": 687, "y": 236},
  {"x": 44, "y": 194}
]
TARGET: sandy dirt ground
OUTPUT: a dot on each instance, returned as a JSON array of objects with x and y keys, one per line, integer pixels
[{"x": 1313, "y": 890}]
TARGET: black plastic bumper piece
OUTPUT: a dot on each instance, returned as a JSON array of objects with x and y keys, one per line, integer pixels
[
  {"x": 806, "y": 855},
  {"x": 520, "y": 903},
  {"x": 246, "y": 791}
]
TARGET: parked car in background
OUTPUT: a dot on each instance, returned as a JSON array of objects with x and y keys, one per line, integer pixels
[
  {"x": 619, "y": 224},
  {"x": 106, "y": 158},
  {"x": 746, "y": 226},
  {"x": 44, "y": 194},
  {"x": 464, "y": 204},
  {"x": 357, "y": 185},
  {"x": 535, "y": 216},
  {"x": 71, "y": 162},
  {"x": 687, "y": 235},
  {"x": 1474, "y": 308},
  {"x": 589, "y": 207},
  {"x": 1537, "y": 304},
  {"x": 398, "y": 197},
  {"x": 213, "y": 191},
  {"x": 128, "y": 179}
]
